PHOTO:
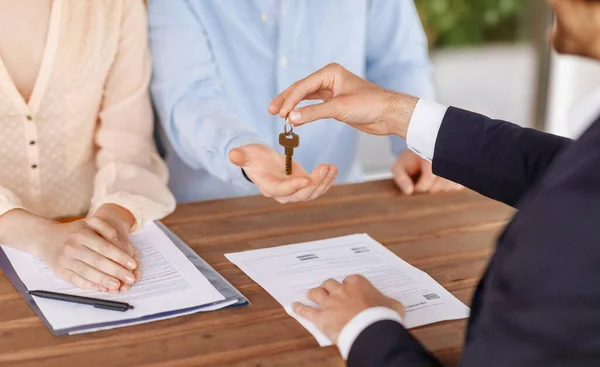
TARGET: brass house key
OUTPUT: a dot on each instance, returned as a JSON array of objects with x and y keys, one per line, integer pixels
[{"x": 289, "y": 141}]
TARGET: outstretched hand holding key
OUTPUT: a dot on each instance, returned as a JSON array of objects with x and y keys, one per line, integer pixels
[{"x": 280, "y": 177}]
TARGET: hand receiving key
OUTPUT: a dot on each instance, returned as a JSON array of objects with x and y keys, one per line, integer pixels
[{"x": 266, "y": 167}]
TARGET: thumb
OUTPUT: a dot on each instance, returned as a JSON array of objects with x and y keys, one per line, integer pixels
[
  {"x": 238, "y": 157},
  {"x": 314, "y": 112},
  {"x": 404, "y": 181}
]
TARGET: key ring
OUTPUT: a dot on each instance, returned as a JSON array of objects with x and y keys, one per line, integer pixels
[{"x": 285, "y": 127}]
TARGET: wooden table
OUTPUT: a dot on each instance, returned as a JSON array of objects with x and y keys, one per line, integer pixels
[{"x": 450, "y": 236}]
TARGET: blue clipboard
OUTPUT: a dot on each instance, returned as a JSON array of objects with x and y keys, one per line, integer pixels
[{"x": 233, "y": 297}]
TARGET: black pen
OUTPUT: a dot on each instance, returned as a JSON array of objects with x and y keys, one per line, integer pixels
[{"x": 98, "y": 303}]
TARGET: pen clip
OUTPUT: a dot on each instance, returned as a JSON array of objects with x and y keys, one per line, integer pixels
[{"x": 113, "y": 307}]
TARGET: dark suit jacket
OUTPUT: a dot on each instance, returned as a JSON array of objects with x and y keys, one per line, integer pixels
[{"x": 538, "y": 304}]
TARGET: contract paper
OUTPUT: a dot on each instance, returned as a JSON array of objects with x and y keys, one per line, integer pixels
[
  {"x": 169, "y": 282},
  {"x": 287, "y": 272}
]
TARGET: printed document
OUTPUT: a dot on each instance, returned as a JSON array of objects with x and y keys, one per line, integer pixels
[
  {"x": 169, "y": 282},
  {"x": 287, "y": 272}
]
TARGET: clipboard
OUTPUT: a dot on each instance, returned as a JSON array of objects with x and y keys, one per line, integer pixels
[{"x": 233, "y": 298}]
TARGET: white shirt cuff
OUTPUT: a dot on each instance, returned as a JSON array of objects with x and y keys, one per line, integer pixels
[
  {"x": 424, "y": 127},
  {"x": 360, "y": 322}
]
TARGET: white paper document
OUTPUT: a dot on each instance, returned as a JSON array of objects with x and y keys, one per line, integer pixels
[
  {"x": 169, "y": 282},
  {"x": 287, "y": 272}
]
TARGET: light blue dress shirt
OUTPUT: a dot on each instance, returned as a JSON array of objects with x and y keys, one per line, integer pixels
[{"x": 218, "y": 63}]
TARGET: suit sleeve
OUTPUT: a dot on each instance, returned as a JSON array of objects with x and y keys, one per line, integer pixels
[
  {"x": 388, "y": 344},
  {"x": 495, "y": 158}
]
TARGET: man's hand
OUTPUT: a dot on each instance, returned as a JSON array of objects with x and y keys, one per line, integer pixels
[
  {"x": 339, "y": 303},
  {"x": 413, "y": 174},
  {"x": 348, "y": 98},
  {"x": 266, "y": 168}
]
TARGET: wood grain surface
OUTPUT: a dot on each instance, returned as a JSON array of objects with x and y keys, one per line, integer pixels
[{"x": 450, "y": 236}]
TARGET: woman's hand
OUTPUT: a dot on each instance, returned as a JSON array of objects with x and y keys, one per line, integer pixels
[
  {"x": 119, "y": 221},
  {"x": 348, "y": 98},
  {"x": 74, "y": 251}
]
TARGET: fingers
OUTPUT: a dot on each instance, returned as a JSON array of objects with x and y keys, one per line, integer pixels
[
  {"x": 110, "y": 251},
  {"x": 138, "y": 271},
  {"x": 437, "y": 186},
  {"x": 126, "y": 245},
  {"x": 315, "y": 112},
  {"x": 316, "y": 178},
  {"x": 110, "y": 233},
  {"x": 76, "y": 280},
  {"x": 317, "y": 295},
  {"x": 404, "y": 181},
  {"x": 106, "y": 267},
  {"x": 307, "y": 312},
  {"x": 440, "y": 185},
  {"x": 447, "y": 185},
  {"x": 322, "y": 178},
  {"x": 297, "y": 92},
  {"x": 276, "y": 187},
  {"x": 358, "y": 286},
  {"x": 326, "y": 184},
  {"x": 425, "y": 182},
  {"x": 407, "y": 165},
  {"x": 105, "y": 260},
  {"x": 266, "y": 168},
  {"x": 99, "y": 226},
  {"x": 237, "y": 157},
  {"x": 277, "y": 102},
  {"x": 443, "y": 185},
  {"x": 332, "y": 286},
  {"x": 93, "y": 275},
  {"x": 355, "y": 279}
]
